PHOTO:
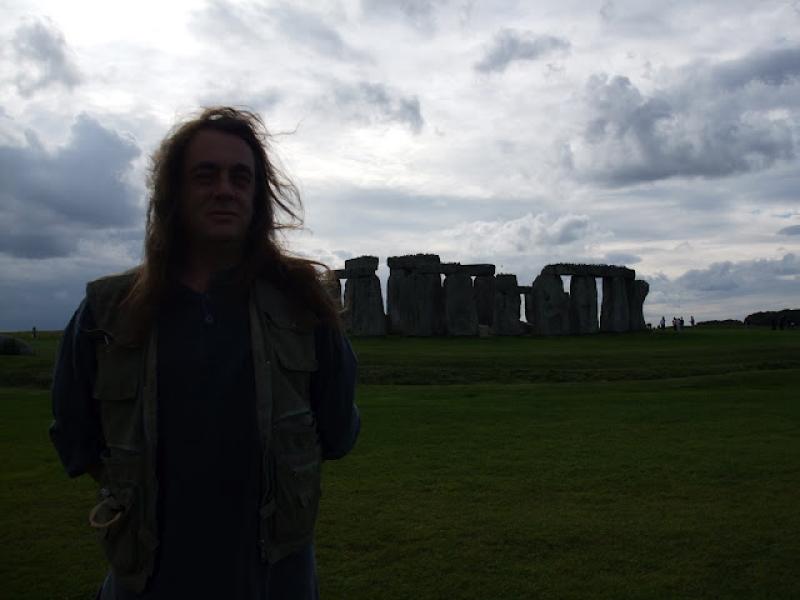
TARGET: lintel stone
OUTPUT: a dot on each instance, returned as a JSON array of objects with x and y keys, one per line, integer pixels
[{"x": 589, "y": 270}]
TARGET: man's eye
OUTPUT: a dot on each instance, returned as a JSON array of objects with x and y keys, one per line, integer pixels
[
  {"x": 203, "y": 178},
  {"x": 241, "y": 180}
]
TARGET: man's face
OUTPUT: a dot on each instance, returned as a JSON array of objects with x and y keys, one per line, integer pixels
[{"x": 218, "y": 188}]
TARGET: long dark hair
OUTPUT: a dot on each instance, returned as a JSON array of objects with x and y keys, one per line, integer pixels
[{"x": 276, "y": 206}]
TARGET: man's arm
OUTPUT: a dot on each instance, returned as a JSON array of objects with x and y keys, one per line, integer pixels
[
  {"x": 333, "y": 393},
  {"x": 76, "y": 431}
]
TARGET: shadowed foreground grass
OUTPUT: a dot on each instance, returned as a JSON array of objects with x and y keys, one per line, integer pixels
[{"x": 685, "y": 486}]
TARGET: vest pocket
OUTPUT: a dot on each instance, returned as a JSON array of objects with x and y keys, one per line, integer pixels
[
  {"x": 297, "y": 496},
  {"x": 116, "y": 389},
  {"x": 117, "y": 515}
]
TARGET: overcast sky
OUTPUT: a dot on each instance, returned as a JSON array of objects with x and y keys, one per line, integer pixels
[{"x": 663, "y": 136}]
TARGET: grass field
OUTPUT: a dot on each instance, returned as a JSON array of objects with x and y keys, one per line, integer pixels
[{"x": 635, "y": 466}]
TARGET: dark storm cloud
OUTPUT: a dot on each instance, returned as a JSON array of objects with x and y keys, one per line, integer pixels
[
  {"x": 43, "y": 57},
  {"x": 377, "y": 103},
  {"x": 771, "y": 67},
  {"x": 51, "y": 199},
  {"x": 511, "y": 45},
  {"x": 745, "y": 276},
  {"x": 791, "y": 230},
  {"x": 713, "y": 121}
]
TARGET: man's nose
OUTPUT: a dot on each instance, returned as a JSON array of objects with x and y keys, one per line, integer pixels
[{"x": 225, "y": 187}]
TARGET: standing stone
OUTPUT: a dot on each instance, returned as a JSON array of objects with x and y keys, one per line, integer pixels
[
  {"x": 333, "y": 286},
  {"x": 639, "y": 291},
  {"x": 550, "y": 306},
  {"x": 460, "y": 310},
  {"x": 505, "y": 319},
  {"x": 484, "y": 298},
  {"x": 615, "y": 314},
  {"x": 363, "y": 301},
  {"x": 583, "y": 304},
  {"x": 414, "y": 290},
  {"x": 396, "y": 294}
]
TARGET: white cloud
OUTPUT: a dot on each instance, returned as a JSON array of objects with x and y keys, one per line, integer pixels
[{"x": 43, "y": 58}]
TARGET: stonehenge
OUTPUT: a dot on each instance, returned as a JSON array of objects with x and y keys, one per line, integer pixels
[
  {"x": 550, "y": 306},
  {"x": 615, "y": 313},
  {"x": 505, "y": 318},
  {"x": 583, "y": 304},
  {"x": 460, "y": 308},
  {"x": 363, "y": 301},
  {"x": 414, "y": 295},
  {"x": 638, "y": 293},
  {"x": 426, "y": 297}
]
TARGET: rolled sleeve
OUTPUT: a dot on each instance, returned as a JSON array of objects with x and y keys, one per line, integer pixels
[
  {"x": 333, "y": 393},
  {"x": 76, "y": 431}
]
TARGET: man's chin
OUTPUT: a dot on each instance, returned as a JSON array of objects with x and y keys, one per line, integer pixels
[{"x": 225, "y": 237}]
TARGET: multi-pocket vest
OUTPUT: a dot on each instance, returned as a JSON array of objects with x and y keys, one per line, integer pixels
[{"x": 283, "y": 358}]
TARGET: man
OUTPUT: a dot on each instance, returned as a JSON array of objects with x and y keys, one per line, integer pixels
[{"x": 203, "y": 389}]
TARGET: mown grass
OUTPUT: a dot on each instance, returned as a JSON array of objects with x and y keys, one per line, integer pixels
[{"x": 603, "y": 486}]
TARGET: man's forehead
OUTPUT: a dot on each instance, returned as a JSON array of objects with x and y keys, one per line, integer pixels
[{"x": 218, "y": 148}]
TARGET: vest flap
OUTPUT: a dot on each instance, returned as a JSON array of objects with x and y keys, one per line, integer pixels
[
  {"x": 278, "y": 307},
  {"x": 117, "y": 373},
  {"x": 295, "y": 350},
  {"x": 291, "y": 336}
]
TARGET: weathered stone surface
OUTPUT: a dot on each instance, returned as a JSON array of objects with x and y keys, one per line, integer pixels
[
  {"x": 638, "y": 293},
  {"x": 452, "y": 268},
  {"x": 589, "y": 270},
  {"x": 13, "y": 346},
  {"x": 352, "y": 272},
  {"x": 615, "y": 314},
  {"x": 415, "y": 300},
  {"x": 550, "y": 306},
  {"x": 398, "y": 293},
  {"x": 460, "y": 310},
  {"x": 484, "y": 298},
  {"x": 412, "y": 261},
  {"x": 505, "y": 318},
  {"x": 583, "y": 304},
  {"x": 479, "y": 270},
  {"x": 363, "y": 305},
  {"x": 362, "y": 262}
]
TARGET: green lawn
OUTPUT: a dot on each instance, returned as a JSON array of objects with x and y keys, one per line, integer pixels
[{"x": 641, "y": 466}]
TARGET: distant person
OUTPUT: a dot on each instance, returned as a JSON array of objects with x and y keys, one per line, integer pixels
[
  {"x": 674, "y": 324},
  {"x": 663, "y": 323},
  {"x": 691, "y": 320},
  {"x": 680, "y": 324},
  {"x": 204, "y": 388},
  {"x": 34, "y": 333}
]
